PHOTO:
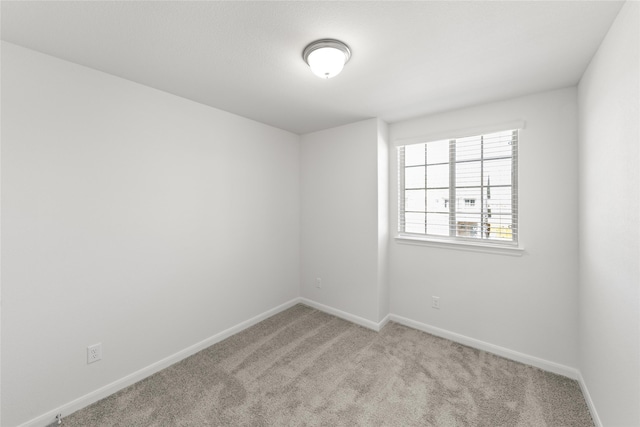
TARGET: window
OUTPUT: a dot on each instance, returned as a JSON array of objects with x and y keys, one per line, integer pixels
[{"x": 462, "y": 189}]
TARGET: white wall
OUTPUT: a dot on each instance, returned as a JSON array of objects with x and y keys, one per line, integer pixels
[
  {"x": 340, "y": 218},
  {"x": 610, "y": 224},
  {"x": 133, "y": 218},
  {"x": 525, "y": 304},
  {"x": 383, "y": 220}
]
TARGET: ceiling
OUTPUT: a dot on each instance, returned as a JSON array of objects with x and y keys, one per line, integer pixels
[{"x": 408, "y": 58}]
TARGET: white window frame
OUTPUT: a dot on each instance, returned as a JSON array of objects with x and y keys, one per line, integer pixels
[{"x": 513, "y": 248}]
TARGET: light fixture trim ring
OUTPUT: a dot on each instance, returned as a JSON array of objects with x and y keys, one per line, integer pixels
[{"x": 319, "y": 44}]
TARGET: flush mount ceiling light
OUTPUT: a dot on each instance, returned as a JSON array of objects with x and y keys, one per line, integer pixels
[{"x": 326, "y": 57}]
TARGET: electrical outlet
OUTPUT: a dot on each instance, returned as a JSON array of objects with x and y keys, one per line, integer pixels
[
  {"x": 318, "y": 282},
  {"x": 435, "y": 302},
  {"x": 94, "y": 353}
]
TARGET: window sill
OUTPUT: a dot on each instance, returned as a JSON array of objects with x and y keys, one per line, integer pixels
[{"x": 460, "y": 245}]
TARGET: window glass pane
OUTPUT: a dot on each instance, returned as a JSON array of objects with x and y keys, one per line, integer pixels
[
  {"x": 468, "y": 225},
  {"x": 498, "y": 144},
  {"x": 414, "y": 155},
  {"x": 414, "y": 222},
  {"x": 468, "y": 174},
  {"x": 414, "y": 177},
  {"x": 468, "y": 200},
  {"x": 497, "y": 172},
  {"x": 438, "y": 201},
  {"x": 500, "y": 227},
  {"x": 438, "y": 152},
  {"x": 414, "y": 200},
  {"x": 438, "y": 176},
  {"x": 468, "y": 148},
  {"x": 438, "y": 224},
  {"x": 499, "y": 200}
]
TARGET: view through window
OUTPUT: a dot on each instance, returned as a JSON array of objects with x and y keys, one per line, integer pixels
[{"x": 460, "y": 189}]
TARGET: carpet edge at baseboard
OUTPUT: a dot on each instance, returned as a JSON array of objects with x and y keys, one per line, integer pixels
[
  {"x": 587, "y": 397},
  {"x": 48, "y": 417},
  {"x": 545, "y": 365}
]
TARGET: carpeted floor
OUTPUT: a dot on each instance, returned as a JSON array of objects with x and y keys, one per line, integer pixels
[{"x": 303, "y": 367}]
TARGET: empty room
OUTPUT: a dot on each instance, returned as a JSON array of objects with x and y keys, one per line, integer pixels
[{"x": 310, "y": 213}]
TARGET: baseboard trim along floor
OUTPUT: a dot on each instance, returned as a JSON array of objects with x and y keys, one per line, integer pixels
[
  {"x": 347, "y": 316},
  {"x": 587, "y": 398},
  {"x": 49, "y": 417},
  {"x": 537, "y": 362}
]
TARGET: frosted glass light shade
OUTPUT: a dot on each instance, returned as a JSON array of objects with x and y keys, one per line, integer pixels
[
  {"x": 327, "y": 57},
  {"x": 326, "y": 62}
]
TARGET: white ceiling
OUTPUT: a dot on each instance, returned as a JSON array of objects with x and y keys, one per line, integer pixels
[{"x": 408, "y": 58}]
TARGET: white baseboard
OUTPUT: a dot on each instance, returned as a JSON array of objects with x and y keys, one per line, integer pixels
[
  {"x": 346, "y": 316},
  {"x": 543, "y": 364},
  {"x": 384, "y": 321},
  {"x": 537, "y": 362},
  {"x": 77, "y": 404},
  {"x": 587, "y": 398}
]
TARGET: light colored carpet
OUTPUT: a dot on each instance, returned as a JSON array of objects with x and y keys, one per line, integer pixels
[{"x": 303, "y": 367}]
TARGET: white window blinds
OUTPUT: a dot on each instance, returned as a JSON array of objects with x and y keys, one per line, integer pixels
[{"x": 461, "y": 189}]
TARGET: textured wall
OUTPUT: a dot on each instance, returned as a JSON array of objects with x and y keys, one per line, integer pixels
[
  {"x": 527, "y": 303},
  {"x": 340, "y": 219},
  {"x": 609, "y": 223},
  {"x": 133, "y": 218}
]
